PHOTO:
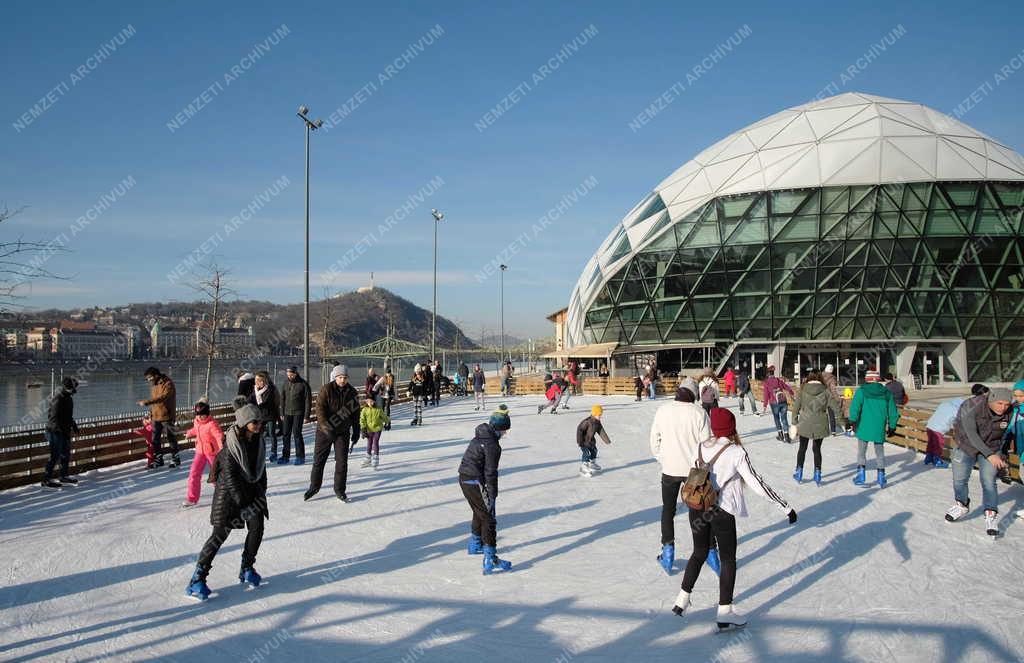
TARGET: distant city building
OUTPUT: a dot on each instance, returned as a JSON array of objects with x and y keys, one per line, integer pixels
[
  {"x": 85, "y": 344},
  {"x": 39, "y": 342},
  {"x": 172, "y": 341},
  {"x": 189, "y": 341}
]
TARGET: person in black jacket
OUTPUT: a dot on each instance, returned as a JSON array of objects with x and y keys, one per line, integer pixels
[
  {"x": 418, "y": 391},
  {"x": 428, "y": 383},
  {"x": 239, "y": 500},
  {"x": 337, "y": 408},
  {"x": 296, "y": 404},
  {"x": 60, "y": 424},
  {"x": 586, "y": 434},
  {"x": 246, "y": 383},
  {"x": 266, "y": 397},
  {"x": 478, "y": 478}
]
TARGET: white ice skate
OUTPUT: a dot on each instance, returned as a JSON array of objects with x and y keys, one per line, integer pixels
[
  {"x": 956, "y": 512},
  {"x": 594, "y": 466},
  {"x": 728, "y": 619},
  {"x": 376, "y": 461},
  {"x": 991, "y": 528},
  {"x": 682, "y": 602},
  {"x": 367, "y": 462},
  {"x": 585, "y": 470}
]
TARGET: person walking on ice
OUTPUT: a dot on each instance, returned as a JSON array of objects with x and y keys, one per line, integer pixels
[
  {"x": 209, "y": 441},
  {"x": 478, "y": 478},
  {"x": 479, "y": 387},
  {"x": 418, "y": 388},
  {"x": 372, "y": 421},
  {"x": 60, "y": 424},
  {"x": 161, "y": 409},
  {"x": 337, "y": 411},
  {"x": 239, "y": 500},
  {"x": 873, "y": 415},
  {"x": 714, "y": 495},
  {"x": 812, "y": 408},
  {"x": 586, "y": 431}
]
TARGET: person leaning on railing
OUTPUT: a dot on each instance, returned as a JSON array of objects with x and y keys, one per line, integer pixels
[{"x": 60, "y": 424}]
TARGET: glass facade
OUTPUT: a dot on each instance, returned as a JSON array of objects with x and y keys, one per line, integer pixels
[{"x": 937, "y": 260}]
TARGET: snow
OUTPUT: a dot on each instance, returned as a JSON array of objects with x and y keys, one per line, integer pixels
[{"x": 100, "y": 570}]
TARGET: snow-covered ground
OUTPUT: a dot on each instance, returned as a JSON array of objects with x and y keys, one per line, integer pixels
[{"x": 99, "y": 571}]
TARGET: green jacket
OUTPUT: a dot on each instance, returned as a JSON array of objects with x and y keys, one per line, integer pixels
[
  {"x": 872, "y": 411},
  {"x": 810, "y": 411},
  {"x": 372, "y": 419}
]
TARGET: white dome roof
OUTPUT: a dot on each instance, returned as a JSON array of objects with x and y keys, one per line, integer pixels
[{"x": 846, "y": 140}]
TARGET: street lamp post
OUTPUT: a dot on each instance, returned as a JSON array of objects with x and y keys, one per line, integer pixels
[
  {"x": 433, "y": 320},
  {"x": 311, "y": 125},
  {"x": 501, "y": 306}
]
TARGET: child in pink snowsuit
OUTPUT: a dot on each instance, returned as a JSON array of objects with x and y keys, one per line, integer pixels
[
  {"x": 146, "y": 432},
  {"x": 209, "y": 440}
]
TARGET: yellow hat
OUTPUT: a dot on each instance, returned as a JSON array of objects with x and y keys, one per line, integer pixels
[{"x": 597, "y": 410}]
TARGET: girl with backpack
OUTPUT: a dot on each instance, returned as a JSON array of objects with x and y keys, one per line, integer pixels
[
  {"x": 708, "y": 390},
  {"x": 811, "y": 415},
  {"x": 714, "y": 494}
]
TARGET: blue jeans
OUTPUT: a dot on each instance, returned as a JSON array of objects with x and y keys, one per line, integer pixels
[
  {"x": 780, "y": 411},
  {"x": 60, "y": 450},
  {"x": 564, "y": 398},
  {"x": 651, "y": 389},
  {"x": 588, "y": 453},
  {"x": 962, "y": 466}
]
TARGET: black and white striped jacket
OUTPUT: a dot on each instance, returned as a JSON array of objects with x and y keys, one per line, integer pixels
[{"x": 729, "y": 474}]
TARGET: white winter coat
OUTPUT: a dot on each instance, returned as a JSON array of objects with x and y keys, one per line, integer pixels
[
  {"x": 677, "y": 430},
  {"x": 707, "y": 382},
  {"x": 729, "y": 474}
]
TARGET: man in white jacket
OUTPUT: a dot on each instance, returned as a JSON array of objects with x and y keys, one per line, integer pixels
[{"x": 679, "y": 428}]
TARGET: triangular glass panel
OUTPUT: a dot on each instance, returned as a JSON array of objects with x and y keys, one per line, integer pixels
[
  {"x": 705, "y": 235},
  {"x": 860, "y": 225},
  {"x": 621, "y": 249},
  {"x": 911, "y": 223},
  {"x": 886, "y": 225},
  {"x": 994, "y": 222},
  {"x": 835, "y": 199}
]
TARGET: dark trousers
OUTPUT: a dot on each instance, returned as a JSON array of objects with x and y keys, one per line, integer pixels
[
  {"x": 832, "y": 427},
  {"x": 158, "y": 430},
  {"x": 293, "y": 430},
  {"x": 485, "y": 523},
  {"x": 669, "y": 497},
  {"x": 355, "y": 434},
  {"x": 272, "y": 431},
  {"x": 253, "y": 539},
  {"x": 588, "y": 453},
  {"x": 60, "y": 450},
  {"x": 708, "y": 527},
  {"x": 437, "y": 394},
  {"x": 321, "y": 450},
  {"x": 801, "y": 453}
]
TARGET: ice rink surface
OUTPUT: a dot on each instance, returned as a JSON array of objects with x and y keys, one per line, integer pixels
[{"x": 98, "y": 572}]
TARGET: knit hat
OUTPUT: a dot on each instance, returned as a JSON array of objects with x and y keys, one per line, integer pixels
[
  {"x": 202, "y": 408},
  {"x": 597, "y": 411},
  {"x": 723, "y": 422},
  {"x": 293, "y": 369},
  {"x": 1018, "y": 385},
  {"x": 829, "y": 368},
  {"x": 871, "y": 376},
  {"x": 684, "y": 394},
  {"x": 70, "y": 385},
  {"x": 1000, "y": 394},
  {"x": 246, "y": 415},
  {"x": 978, "y": 389},
  {"x": 340, "y": 369},
  {"x": 499, "y": 418}
]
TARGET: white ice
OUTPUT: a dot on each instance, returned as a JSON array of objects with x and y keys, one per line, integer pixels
[{"x": 99, "y": 571}]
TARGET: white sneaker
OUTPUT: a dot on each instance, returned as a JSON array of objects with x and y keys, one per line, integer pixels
[
  {"x": 990, "y": 523},
  {"x": 682, "y": 602},
  {"x": 728, "y": 618},
  {"x": 956, "y": 512}
]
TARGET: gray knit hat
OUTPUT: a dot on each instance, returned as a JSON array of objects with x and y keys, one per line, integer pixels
[
  {"x": 1000, "y": 394},
  {"x": 340, "y": 369},
  {"x": 246, "y": 415}
]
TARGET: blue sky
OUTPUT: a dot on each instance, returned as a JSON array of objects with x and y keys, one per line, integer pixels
[{"x": 421, "y": 122}]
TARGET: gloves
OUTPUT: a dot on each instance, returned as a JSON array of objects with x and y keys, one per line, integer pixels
[
  {"x": 890, "y": 432},
  {"x": 792, "y": 516}
]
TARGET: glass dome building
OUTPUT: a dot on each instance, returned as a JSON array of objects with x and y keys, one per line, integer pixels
[{"x": 857, "y": 231}]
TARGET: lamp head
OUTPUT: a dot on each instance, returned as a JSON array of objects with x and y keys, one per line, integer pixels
[
  {"x": 303, "y": 110},
  {"x": 503, "y": 267},
  {"x": 437, "y": 215},
  {"x": 319, "y": 123}
]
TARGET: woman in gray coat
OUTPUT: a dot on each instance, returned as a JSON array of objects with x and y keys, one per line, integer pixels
[{"x": 811, "y": 416}]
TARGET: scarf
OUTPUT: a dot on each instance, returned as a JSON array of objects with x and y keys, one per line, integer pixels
[
  {"x": 252, "y": 465},
  {"x": 261, "y": 394}
]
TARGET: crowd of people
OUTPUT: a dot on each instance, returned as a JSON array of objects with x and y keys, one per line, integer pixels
[{"x": 693, "y": 437}]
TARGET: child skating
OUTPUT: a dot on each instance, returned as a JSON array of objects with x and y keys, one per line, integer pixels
[
  {"x": 146, "y": 433},
  {"x": 478, "y": 478},
  {"x": 586, "y": 432},
  {"x": 239, "y": 500},
  {"x": 372, "y": 421},
  {"x": 418, "y": 389},
  {"x": 209, "y": 441}
]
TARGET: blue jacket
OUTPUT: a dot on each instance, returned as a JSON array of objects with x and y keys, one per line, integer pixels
[
  {"x": 1016, "y": 428},
  {"x": 942, "y": 419}
]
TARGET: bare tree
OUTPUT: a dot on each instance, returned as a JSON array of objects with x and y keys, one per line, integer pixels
[
  {"x": 212, "y": 282},
  {"x": 16, "y": 269}
]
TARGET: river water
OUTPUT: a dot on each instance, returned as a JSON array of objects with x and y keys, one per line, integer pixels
[{"x": 116, "y": 387}]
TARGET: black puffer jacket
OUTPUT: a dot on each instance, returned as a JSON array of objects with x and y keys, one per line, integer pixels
[
  {"x": 480, "y": 462},
  {"x": 418, "y": 386},
  {"x": 337, "y": 408},
  {"x": 296, "y": 397},
  {"x": 236, "y": 498},
  {"x": 270, "y": 408},
  {"x": 61, "y": 417}
]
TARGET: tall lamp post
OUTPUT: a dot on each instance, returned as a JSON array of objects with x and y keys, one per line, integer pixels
[
  {"x": 433, "y": 321},
  {"x": 311, "y": 125},
  {"x": 501, "y": 306}
]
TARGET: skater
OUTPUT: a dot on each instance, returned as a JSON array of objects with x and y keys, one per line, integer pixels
[
  {"x": 979, "y": 429},
  {"x": 439, "y": 377},
  {"x": 60, "y": 425},
  {"x": 679, "y": 427},
  {"x": 729, "y": 470},
  {"x": 899, "y": 392},
  {"x": 162, "y": 411},
  {"x": 602, "y": 370},
  {"x": 1015, "y": 431},
  {"x": 652, "y": 377},
  {"x": 369, "y": 387},
  {"x": 730, "y": 381},
  {"x": 775, "y": 390},
  {"x": 574, "y": 379},
  {"x": 873, "y": 416},
  {"x": 479, "y": 387},
  {"x": 478, "y": 478},
  {"x": 566, "y": 387},
  {"x": 811, "y": 408},
  {"x": 690, "y": 383},
  {"x": 744, "y": 390},
  {"x": 146, "y": 433},
  {"x": 418, "y": 391},
  {"x": 239, "y": 500},
  {"x": 246, "y": 383},
  {"x": 463, "y": 373},
  {"x": 708, "y": 390},
  {"x": 387, "y": 394},
  {"x": 266, "y": 397},
  {"x": 553, "y": 394},
  {"x": 209, "y": 442},
  {"x": 941, "y": 422},
  {"x": 337, "y": 411},
  {"x": 638, "y": 387},
  {"x": 585, "y": 433},
  {"x": 428, "y": 383},
  {"x": 372, "y": 421},
  {"x": 828, "y": 378},
  {"x": 296, "y": 405},
  {"x": 506, "y": 379}
]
